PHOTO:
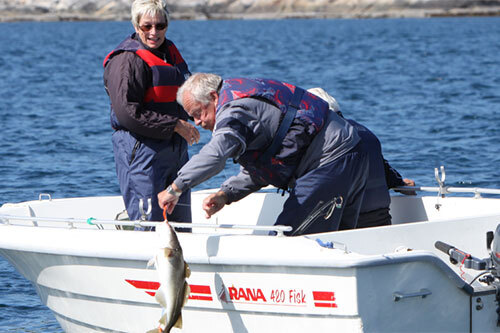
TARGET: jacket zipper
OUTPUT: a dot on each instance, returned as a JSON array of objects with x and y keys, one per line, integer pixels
[{"x": 134, "y": 150}]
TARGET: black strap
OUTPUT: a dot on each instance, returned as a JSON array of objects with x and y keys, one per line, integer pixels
[
  {"x": 219, "y": 87},
  {"x": 284, "y": 126}
]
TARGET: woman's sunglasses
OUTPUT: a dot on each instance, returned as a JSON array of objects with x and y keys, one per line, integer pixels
[{"x": 158, "y": 27}]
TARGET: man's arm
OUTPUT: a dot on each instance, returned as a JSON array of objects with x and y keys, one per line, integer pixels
[
  {"x": 394, "y": 179},
  {"x": 239, "y": 186},
  {"x": 233, "y": 189},
  {"x": 208, "y": 162}
]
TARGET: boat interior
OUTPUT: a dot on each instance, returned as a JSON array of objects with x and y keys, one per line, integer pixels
[{"x": 414, "y": 218}]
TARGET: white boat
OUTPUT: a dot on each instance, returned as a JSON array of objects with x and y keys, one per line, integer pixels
[{"x": 94, "y": 277}]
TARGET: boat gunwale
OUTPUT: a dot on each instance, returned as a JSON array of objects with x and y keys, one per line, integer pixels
[{"x": 322, "y": 260}]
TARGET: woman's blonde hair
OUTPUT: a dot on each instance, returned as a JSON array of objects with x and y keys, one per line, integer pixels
[{"x": 148, "y": 7}]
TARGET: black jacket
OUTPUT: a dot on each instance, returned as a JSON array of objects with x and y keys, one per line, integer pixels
[{"x": 126, "y": 79}]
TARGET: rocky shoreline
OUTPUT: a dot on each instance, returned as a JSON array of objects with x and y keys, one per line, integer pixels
[{"x": 119, "y": 10}]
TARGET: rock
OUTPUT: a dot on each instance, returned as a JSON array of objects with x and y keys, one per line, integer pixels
[{"x": 50, "y": 10}]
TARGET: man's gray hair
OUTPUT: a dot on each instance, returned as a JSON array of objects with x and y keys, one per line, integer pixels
[
  {"x": 200, "y": 85},
  {"x": 148, "y": 7},
  {"x": 332, "y": 102}
]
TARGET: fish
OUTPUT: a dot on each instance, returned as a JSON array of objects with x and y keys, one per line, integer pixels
[{"x": 172, "y": 273}]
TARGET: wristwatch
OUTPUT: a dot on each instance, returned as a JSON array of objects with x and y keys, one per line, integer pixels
[{"x": 170, "y": 190}]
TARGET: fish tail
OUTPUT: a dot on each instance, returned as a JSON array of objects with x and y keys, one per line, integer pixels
[{"x": 178, "y": 323}]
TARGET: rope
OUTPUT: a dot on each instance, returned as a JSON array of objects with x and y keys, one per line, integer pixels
[
  {"x": 89, "y": 221},
  {"x": 466, "y": 256}
]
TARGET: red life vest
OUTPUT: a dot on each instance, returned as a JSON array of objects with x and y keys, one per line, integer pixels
[
  {"x": 276, "y": 163},
  {"x": 166, "y": 78}
]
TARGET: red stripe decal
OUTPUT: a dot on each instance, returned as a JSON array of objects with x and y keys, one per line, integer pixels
[
  {"x": 325, "y": 305},
  {"x": 200, "y": 289},
  {"x": 324, "y": 295},
  {"x": 205, "y": 291},
  {"x": 201, "y": 298},
  {"x": 144, "y": 284}
]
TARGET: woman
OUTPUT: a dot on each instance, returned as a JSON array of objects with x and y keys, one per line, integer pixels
[{"x": 141, "y": 76}]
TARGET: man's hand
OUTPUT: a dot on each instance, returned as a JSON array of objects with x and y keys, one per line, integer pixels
[
  {"x": 408, "y": 182},
  {"x": 168, "y": 200},
  {"x": 213, "y": 203},
  {"x": 187, "y": 131}
]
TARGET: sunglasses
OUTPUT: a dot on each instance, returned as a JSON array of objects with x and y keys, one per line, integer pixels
[{"x": 148, "y": 27}]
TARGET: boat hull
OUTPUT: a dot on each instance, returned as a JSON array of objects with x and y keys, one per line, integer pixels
[
  {"x": 387, "y": 279},
  {"x": 244, "y": 293}
]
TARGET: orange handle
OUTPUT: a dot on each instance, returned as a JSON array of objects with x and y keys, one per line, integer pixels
[{"x": 165, "y": 213}]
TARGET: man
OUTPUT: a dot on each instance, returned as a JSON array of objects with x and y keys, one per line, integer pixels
[
  {"x": 281, "y": 135},
  {"x": 374, "y": 210}
]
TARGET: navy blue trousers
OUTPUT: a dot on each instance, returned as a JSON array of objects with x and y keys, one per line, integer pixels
[
  {"x": 146, "y": 167},
  {"x": 343, "y": 178}
]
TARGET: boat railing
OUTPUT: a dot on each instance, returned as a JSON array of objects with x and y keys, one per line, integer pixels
[
  {"x": 477, "y": 191},
  {"x": 99, "y": 223},
  {"x": 442, "y": 189}
]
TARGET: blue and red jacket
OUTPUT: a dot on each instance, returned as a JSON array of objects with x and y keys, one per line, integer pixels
[
  {"x": 166, "y": 78},
  {"x": 303, "y": 111}
]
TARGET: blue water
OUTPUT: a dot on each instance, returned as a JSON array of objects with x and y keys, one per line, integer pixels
[{"x": 429, "y": 88}]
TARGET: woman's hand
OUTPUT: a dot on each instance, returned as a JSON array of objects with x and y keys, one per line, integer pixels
[
  {"x": 187, "y": 131},
  {"x": 213, "y": 203}
]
